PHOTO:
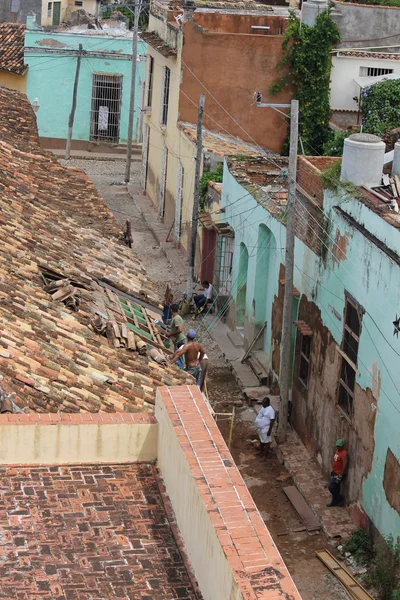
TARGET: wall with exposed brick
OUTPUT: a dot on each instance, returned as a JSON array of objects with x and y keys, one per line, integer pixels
[
  {"x": 62, "y": 438},
  {"x": 229, "y": 547}
]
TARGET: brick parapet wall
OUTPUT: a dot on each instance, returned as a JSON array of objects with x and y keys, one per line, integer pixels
[
  {"x": 213, "y": 506},
  {"x": 86, "y": 418}
]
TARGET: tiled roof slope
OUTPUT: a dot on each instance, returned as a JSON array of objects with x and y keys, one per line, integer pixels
[
  {"x": 18, "y": 122},
  {"x": 52, "y": 217},
  {"x": 12, "y": 48}
]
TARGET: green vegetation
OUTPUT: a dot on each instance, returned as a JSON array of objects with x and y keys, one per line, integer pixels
[
  {"x": 306, "y": 50},
  {"x": 205, "y": 178},
  {"x": 376, "y": 2},
  {"x": 382, "y": 562},
  {"x": 380, "y": 107},
  {"x": 331, "y": 181},
  {"x": 360, "y": 547},
  {"x": 385, "y": 575},
  {"x": 334, "y": 145}
]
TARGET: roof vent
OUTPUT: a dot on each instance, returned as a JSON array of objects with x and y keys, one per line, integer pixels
[{"x": 363, "y": 157}]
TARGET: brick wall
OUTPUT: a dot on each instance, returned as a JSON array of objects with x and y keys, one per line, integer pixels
[{"x": 229, "y": 547}]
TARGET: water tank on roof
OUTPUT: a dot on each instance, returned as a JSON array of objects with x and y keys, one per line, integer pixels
[{"x": 363, "y": 158}]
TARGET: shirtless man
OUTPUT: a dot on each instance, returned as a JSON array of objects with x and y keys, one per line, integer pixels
[{"x": 193, "y": 353}]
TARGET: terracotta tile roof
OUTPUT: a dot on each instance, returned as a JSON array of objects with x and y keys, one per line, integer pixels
[
  {"x": 219, "y": 144},
  {"x": 12, "y": 48},
  {"x": 365, "y": 54},
  {"x": 158, "y": 44},
  {"x": 89, "y": 531},
  {"x": 267, "y": 178},
  {"x": 52, "y": 217}
]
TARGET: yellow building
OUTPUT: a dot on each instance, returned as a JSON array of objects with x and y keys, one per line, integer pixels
[
  {"x": 54, "y": 13},
  {"x": 12, "y": 68}
]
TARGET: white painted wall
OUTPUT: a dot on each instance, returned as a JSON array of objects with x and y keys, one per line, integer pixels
[
  {"x": 202, "y": 546},
  {"x": 77, "y": 444},
  {"x": 344, "y": 70}
]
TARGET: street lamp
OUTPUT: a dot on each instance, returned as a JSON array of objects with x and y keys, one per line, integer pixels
[{"x": 35, "y": 105}]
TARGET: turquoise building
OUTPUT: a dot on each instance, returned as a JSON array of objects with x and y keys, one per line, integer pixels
[
  {"x": 102, "y": 109},
  {"x": 346, "y": 309}
]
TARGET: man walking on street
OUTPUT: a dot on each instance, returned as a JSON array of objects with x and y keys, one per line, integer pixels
[
  {"x": 193, "y": 353},
  {"x": 264, "y": 423},
  {"x": 339, "y": 470},
  {"x": 176, "y": 333}
]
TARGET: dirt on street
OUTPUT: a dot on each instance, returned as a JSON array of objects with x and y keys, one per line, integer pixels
[{"x": 313, "y": 580}]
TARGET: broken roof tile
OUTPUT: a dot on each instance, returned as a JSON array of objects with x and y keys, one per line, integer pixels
[{"x": 53, "y": 220}]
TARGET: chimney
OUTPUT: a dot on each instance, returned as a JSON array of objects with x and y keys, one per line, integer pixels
[
  {"x": 396, "y": 160},
  {"x": 363, "y": 158},
  {"x": 189, "y": 7}
]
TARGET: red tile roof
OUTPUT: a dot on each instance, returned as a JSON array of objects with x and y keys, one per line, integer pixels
[
  {"x": 365, "y": 54},
  {"x": 12, "y": 48},
  {"x": 88, "y": 531},
  {"x": 158, "y": 44},
  {"x": 52, "y": 217}
]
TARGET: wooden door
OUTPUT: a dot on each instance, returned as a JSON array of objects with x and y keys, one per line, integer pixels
[{"x": 56, "y": 13}]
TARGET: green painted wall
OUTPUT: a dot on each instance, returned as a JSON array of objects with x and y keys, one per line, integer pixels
[
  {"x": 51, "y": 79},
  {"x": 373, "y": 279}
]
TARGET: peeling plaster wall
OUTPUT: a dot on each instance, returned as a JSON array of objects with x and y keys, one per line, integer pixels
[
  {"x": 354, "y": 264},
  {"x": 51, "y": 78}
]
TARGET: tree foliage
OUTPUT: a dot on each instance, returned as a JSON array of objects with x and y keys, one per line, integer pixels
[
  {"x": 380, "y": 107},
  {"x": 306, "y": 50}
]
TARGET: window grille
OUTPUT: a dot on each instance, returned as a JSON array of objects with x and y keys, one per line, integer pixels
[
  {"x": 178, "y": 202},
  {"x": 350, "y": 341},
  {"x": 223, "y": 265},
  {"x": 374, "y": 71},
  {"x": 78, "y": 3},
  {"x": 163, "y": 180},
  {"x": 49, "y": 7},
  {"x": 305, "y": 352},
  {"x": 165, "y": 99},
  {"x": 150, "y": 89},
  {"x": 105, "y": 111}
]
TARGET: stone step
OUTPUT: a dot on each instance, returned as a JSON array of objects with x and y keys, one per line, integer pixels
[
  {"x": 257, "y": 361},
  {"x": 236, "y": 338}
]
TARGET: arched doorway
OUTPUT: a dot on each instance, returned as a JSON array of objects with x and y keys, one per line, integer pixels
[
  {"x": 242, "y": 285},
  {"x": 265, "y": 245}
]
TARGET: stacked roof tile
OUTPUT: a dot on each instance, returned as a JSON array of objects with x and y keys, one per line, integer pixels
[
  {"x": 12, "y": 48},
  {"x": 52, "y": 218}
]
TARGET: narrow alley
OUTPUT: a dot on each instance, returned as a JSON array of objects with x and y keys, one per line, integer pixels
[{"x": 265, "y": 480}]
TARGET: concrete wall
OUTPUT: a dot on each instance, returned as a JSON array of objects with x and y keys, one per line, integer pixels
[
  {"x": 26, "y": 7},
  {"x": 34, "y": 438},
  {"x": 51, "y": 79},
  {"x": 13, "y": 82},
  {"x": 363, "y": 26},
  {"x": 348, "y": 262},
  {"x": 179, "y": 147},
  {"x": 67, "y": 8},
  {"x": 233, "y": 66},
  {"x": 344, "y": 70}
]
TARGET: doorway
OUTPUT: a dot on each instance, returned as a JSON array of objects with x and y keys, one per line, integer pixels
[
  {"x": 242, "y": 286},
  {"x": 56, "y": 13},
  {"x": 105, "y": 111}
]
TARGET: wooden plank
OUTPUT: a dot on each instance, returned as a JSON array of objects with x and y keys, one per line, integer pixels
[
  {"x": 356, "y": 591},
  {"x": 303, "y": 510},
  {"x": 397, "y": 182}
]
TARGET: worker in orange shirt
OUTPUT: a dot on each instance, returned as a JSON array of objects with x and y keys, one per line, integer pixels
[{"x": 339, "y": 470}]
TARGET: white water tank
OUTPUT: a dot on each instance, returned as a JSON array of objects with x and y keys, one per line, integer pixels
[
  {"x": 396, "y": 160},
  {"x": 363, "y": 158}
]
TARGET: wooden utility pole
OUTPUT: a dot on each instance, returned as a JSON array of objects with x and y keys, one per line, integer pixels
[
  {"x": 195, "y": 214},
  {"x": 74, "y": 95},
  {"x": 138, "y": 5},
  {"x": 286, "y": 357}
]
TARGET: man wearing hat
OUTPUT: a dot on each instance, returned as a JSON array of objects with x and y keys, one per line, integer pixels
[
  {"x": 193, "y": 353},
  {"x": 339, "y": 470}
]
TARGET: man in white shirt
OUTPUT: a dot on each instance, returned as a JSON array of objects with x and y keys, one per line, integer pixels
[
  {"x": 206, "y": 297},
  {"x": 264, "y": 423}
]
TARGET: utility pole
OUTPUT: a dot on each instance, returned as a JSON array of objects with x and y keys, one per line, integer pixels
[
  {"x": 72, "y": 113},
  {"x": 195, "y": 214},
  {"x": 138, "y": 5},
  {"x": 286, "y": 357}
]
